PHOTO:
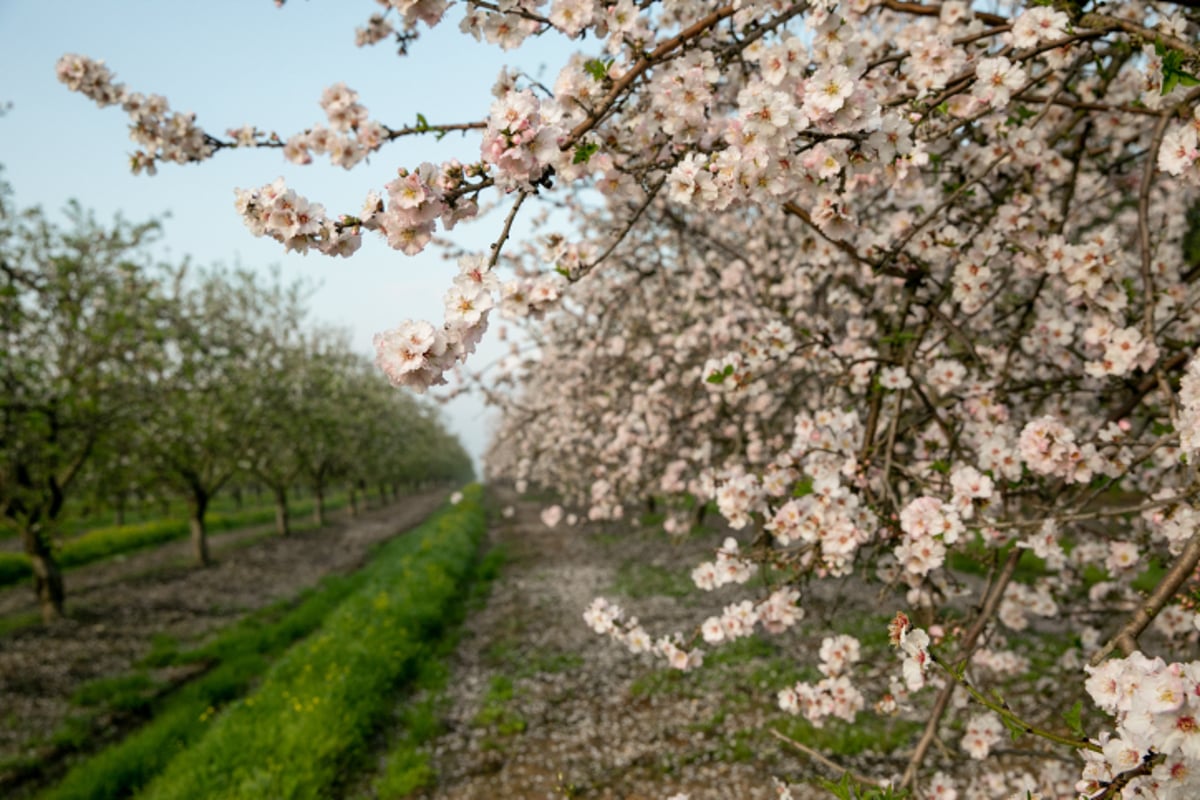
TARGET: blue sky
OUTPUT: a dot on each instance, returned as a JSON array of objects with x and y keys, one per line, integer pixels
[{"x": 236, "y": 62}]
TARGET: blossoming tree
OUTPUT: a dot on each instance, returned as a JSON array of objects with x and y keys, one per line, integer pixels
[{"x": 900, "y": 286}]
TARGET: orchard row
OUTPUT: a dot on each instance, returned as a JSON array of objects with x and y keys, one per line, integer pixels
[{"x": 125, "y": 379}]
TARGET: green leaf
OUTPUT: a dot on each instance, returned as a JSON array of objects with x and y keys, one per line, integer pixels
[
  {"x": 941, "y": 465},
  {"x": 719, "y": 376},
  {"x": 422, "y": 123},
  {"x": 1173, "y": 72},
  {"x": 1074, "y": 719},
  {"x": 1015, "y": 729},
  {"x": 842, "y": 789},
  {"x": 584, "y": 151},
  {"x": 803, "y": 488},
  {"x": 597, "y": 69}
]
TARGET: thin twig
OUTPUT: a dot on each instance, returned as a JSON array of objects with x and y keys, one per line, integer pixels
[
  {"x": 1181, "y": 570},
  {"x": 820, "y": 759}
]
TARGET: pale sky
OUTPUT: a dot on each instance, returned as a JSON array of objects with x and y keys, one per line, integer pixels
[{"x": 236, "y": 62}]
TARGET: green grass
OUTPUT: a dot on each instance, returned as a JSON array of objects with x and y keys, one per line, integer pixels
[
  {"x": 870, "y": 733},
  {"x": 16, "y": 622},
  {"x": 232, "y": 661},
  {"x": 120, "y": 693},
  {"x": 235, "y": 658},
  {"x": 75, "y": 524},
  {"x": 407, "y": 766},
  {"x": 496, "y": 713},
  {"x": 637, "y": 580},
  {"x": 312, "y": 717},
  {"x": 102, "y": 543},
  {"x": 976, "y": 558}
]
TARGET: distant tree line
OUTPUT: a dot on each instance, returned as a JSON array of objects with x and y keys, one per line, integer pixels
[{"x": 122, "y": 379}]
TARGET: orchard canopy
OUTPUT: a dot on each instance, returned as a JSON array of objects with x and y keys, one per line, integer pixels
[{"x": 896, "y": 284}]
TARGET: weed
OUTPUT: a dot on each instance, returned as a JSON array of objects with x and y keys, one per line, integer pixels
[
  {"x": 241, "y": 655},
  {"x": 122, "y": 693},
  {"x": 319, "y": 705},
  {"x": 637, "y": 580},
  {"x": 496, "y": 712}
]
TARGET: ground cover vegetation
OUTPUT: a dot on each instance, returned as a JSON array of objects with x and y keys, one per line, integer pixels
[
  {"x": 900, "y": 287},
  {"x": 104, "y": 542},
  {"x": 304, "y": 726},
  {"x": 123, "y": 379},
  {"x": 293, "y": 695}
]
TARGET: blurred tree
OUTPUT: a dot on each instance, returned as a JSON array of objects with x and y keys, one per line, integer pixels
[
  {"x": 271, "y": 457},
  {"x": 326, "y": 396},
  {"x": 79, "y": 313},
  {"x": 207, "y": 388}
]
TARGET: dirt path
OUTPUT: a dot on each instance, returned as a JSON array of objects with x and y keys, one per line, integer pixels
[
  {"x": 116, "y": 607},
  {"x": 541, "y": 707}
]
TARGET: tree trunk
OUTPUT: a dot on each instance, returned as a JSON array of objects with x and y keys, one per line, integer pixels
[
  {"x": 122, "y": 502},
  {"x": 237, "y": 498},
  {"x": 354, "y": 509},
  {"x": 282, "y": 523},
  {"x": 47, "y": 576},
  {"x": 319, "y": 505},
  {"x": 197, "y": 506}
]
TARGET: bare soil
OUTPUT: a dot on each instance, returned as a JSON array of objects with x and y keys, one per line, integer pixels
[
  {"x": 116, "y": 608},
  {"x": 598, "y": 721}
]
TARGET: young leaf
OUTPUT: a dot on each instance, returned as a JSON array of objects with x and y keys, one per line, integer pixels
[
  {"x": 584, "y": 151},
  {"x": 597, "y": 69},
  {"x": 1015, "y": 729},
  {"x": 1074, "y": 719},
  {"x": 842, "y": 789}
]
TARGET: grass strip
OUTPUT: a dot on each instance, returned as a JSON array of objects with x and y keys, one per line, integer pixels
[
  {"x": 118, "y": 539},
  {"x": 317, "y": 708},
  {"x": 406, "y": 765},
  {"x": 239, "y": 656},
  {"x": 75, "y": 523}
]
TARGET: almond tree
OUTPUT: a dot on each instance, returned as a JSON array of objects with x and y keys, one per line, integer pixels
[
  {"x": 272, "y": 456},
  {"x": 894, "y": 284},
  {"x": 206, "y": 389},
  {"x": 78, "y": 307},
  {"x": 326, "y": 387}
]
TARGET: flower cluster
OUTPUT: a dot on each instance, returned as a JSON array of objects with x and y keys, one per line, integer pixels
[
  {"x": 608, "y": 619},
  {"x": 346, "y": 115},
  {"x": 277, "y": 211},
  {"x": 929, "y": 525},
  {"x": 729, "y": 567},
  {"x": 914, "y": 644},
  {"x": 417, "y": 354},
  {"x": 834, "y": 695},
  {"x": 162, "y": 135},
  {"x": 520, "y": 140},
  {"x": 1156, "y": 707},
  {"x": 983, "y": 731}
]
